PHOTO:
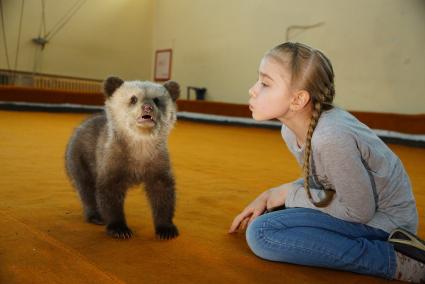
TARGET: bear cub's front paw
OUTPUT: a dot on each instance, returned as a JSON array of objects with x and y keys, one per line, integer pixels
[
  {"x": 166, "y": 232},
  {"x": 119, "y": 231}
]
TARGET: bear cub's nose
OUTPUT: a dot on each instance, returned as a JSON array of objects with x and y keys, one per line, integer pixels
[{"x": 147, "y": 108}]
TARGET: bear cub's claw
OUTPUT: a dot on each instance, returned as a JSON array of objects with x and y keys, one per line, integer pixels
[
  {"x": 166, "y": 232},
  {"x": 119, "y": 231}
]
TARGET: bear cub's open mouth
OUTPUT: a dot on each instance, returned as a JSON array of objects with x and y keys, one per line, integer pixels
[{"x": 145, "y": 120}]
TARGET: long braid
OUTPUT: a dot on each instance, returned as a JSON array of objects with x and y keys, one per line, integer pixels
[
  {"x": 312, "y": 70},
  {"x": 307, "y": 154}
]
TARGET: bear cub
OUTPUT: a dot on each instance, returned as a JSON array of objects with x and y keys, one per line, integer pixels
[{"x": 126, "y": 145}]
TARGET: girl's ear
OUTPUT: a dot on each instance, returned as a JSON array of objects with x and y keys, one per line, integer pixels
[{"x": 299, "y": 100}]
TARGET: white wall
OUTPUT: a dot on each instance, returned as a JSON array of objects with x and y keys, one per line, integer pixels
[
  {"x": 377, "y": 47},
  {"x": 104, "y": 37}
]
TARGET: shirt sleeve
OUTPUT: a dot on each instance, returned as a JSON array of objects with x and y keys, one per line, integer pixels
[{"x": 339, "y": 162}]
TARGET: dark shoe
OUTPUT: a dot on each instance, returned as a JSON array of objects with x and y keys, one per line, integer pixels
[{"x": 408, "y": 244}]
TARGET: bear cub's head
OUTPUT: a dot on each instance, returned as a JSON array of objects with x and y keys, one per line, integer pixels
[{"x": 141, "y": 109}]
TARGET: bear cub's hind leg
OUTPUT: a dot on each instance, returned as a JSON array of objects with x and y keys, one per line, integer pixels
[{"x": 85, "y": 185}]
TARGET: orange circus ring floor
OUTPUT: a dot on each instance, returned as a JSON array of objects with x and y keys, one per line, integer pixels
[{"x": 219, "y": 169}]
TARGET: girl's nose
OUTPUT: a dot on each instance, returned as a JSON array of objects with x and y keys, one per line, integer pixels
[{"x": 251, "y": 92}]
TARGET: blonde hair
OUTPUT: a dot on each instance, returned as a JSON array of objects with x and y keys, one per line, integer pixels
[{"x": 311, "y": 71}]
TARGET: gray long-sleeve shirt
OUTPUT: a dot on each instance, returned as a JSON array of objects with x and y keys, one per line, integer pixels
[{"x": 371, "y": 184}]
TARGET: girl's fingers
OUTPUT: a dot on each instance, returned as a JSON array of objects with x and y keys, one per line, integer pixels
[
  {"x": 236, "y": 222},
  {"x": 268, "y": 205},
  {"x": 244, "y": 219},
  {"x": 244, "y": 224},
  {"x": 255, "y": 215}
]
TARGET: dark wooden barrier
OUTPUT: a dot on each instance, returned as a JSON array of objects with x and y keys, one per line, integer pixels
[{"x": 412, "y": 124}]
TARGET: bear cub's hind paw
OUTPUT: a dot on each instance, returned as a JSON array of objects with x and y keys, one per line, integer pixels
[{"x": 95, "y": 218}]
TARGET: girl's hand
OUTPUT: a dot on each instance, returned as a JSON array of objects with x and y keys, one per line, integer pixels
[
  {"x": 277, "y": 197},
  {"x": 252, "y": 211},
  {"x": 270, "y": 199}
]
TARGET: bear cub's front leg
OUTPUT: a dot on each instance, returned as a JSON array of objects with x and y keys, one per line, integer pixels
[
  {"x": 110, "y": 195},
  {"x": 161, "y": 193}
]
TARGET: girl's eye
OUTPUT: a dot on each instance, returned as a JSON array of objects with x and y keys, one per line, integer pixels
[
  {"x": 133, "y": 100},
  {"x": 263, "y": 84},
  {"x": 156, "y": 101}
]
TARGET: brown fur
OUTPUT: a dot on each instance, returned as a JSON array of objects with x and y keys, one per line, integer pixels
[{"x": 125, "y": 146}]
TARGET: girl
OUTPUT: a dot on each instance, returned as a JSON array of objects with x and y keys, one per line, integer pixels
[{"x": 354, "y": 192}]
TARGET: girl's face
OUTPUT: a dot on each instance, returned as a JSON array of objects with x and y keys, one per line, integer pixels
[{"x": 270, "y": 97}]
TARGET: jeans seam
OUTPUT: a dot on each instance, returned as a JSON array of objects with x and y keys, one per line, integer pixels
[
  {"x": 268, "y": 241},
  {"x": 261, "y": 235},
  {"x": 392, "y": 263}
]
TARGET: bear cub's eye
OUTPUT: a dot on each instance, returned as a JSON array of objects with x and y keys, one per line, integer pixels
[
  {"x": 156, "y": 101},
  {"x": 133, "y": 100}
]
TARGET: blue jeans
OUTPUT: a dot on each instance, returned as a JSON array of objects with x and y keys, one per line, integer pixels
[{"x": 309, "y": 237}]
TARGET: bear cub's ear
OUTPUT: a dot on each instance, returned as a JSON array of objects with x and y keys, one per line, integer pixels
[
  {"x": 173, "y": 88},
  {"x": 111, "y": 84}
]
